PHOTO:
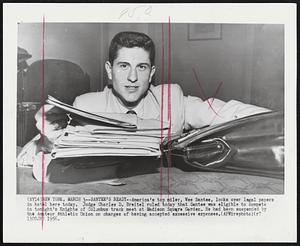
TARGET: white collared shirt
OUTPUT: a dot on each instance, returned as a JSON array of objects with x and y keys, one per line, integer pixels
[
  {"x": 184, "y": 112},
  {"x": 162, "y": 102}
]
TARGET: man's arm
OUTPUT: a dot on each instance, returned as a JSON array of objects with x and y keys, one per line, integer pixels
[
  {"x": 50, "y": 121},
  {"x": 213, "y": 111}
]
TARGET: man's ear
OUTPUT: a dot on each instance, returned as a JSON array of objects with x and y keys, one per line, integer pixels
[
  {"x": 108, "y": 69},
  {"x": 153, "y": 68}
]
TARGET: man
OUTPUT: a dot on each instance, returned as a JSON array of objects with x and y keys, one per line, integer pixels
[{"x": 130, "y": 68}]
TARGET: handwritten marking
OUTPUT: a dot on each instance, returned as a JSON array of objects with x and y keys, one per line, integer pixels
[
  {"x": 217, "y": 91},
  {"x": 148, "y": 11},
  {"x": 204, "y": 95},
  {"x": 138, "y": 12}
]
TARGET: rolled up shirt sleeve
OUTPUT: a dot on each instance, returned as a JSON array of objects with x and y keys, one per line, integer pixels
[
  {"x": 29, "y": 157},
  {"x": 28, "y": 153},
  {"x": 199, "y": 113}
]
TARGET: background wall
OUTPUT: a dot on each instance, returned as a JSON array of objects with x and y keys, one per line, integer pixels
[
  {"x": 248, "y": 59},
  {"x": 267, "y": 75},
  {"x": 78, "y": 43}
]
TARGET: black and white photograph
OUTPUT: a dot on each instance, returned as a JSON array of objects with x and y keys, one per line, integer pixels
[
  {"x": 225, "y": 134},
  {"x": 141, "y": 112}
]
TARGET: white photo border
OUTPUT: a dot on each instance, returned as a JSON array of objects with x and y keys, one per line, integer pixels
[{"x": 277, "y": 226}]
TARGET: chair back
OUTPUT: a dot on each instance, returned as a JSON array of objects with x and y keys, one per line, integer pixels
[{"x": 61, "y": 79}]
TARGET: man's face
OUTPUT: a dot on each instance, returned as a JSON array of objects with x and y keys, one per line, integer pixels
[{"x": 131, "y": 74}]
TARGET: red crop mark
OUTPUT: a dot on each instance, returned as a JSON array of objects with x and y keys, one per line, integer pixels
[
  {"x": 43, "y": 121},
  {"x": 169, "y": 104},
  {"x": 169, "y": 115},
  {"x": 162, "y": 109},
  {"x": 204, "y": 95}
]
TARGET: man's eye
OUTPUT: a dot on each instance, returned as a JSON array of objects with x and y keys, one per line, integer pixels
[
  {"x": 142, "y": 67},
  {"x": 123, "y": 66}
]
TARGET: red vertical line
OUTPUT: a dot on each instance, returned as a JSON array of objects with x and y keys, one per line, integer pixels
[
  {"x": 43, "y": 120},
  {"x": 162, "y": 109},
  {"x": 169, "y": 104}
]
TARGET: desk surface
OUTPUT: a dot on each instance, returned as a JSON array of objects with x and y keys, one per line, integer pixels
[{"x": 180, "y": 182}]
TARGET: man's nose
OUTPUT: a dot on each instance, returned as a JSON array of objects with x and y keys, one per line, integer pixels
[{"x": 132, "y": 76}]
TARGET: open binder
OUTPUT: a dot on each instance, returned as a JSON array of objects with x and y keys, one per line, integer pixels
[
  {"x": 107, "y": 134},
  {"x": 250, "y": 145},
  {"x": 120, "y": 120}
]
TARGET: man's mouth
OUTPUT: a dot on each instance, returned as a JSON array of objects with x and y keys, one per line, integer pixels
[{"x": 131, "y": 88}]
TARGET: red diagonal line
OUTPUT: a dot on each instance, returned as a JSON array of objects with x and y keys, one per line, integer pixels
[
  {"x": 202, "y": 90},
  {"x": 209, "y": 103},
  {"x": 205, "y": 98},
  {"x": 216, "y": 115},
  {"x": 215, "y": 95},
  {"x": 217, "y": 91}
]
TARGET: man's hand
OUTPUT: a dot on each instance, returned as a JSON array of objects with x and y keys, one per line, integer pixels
[{"x": 50, "y": 124}]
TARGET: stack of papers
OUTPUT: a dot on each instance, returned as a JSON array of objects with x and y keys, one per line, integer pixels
[
  {"x": 107, "y": 134},
  {"x": 120, "y": 120}
]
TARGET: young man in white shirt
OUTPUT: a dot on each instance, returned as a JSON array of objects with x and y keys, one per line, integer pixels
[{"x": 130, "y": 68}]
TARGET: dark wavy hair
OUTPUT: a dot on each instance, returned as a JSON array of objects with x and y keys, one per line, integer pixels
[{"x": 130, "y": 40}]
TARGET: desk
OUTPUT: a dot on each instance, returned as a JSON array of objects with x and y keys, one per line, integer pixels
[{"x": 181, "y": 182}]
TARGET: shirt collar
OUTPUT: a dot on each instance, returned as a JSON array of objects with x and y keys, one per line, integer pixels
[{"x": 147, "y": 108}]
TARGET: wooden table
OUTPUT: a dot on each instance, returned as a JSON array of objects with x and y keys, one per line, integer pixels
[{"x": 177, "y": 180}]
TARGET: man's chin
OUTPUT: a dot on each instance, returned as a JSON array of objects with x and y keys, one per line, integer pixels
[
  {"x": 129, "y": 100},
  {"x": 132, "y": 100}
]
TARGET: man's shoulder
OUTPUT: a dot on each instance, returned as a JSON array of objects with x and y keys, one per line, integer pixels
[
  {"x": 166, "y": 87},
  {"x": 168, "y": 93}
]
